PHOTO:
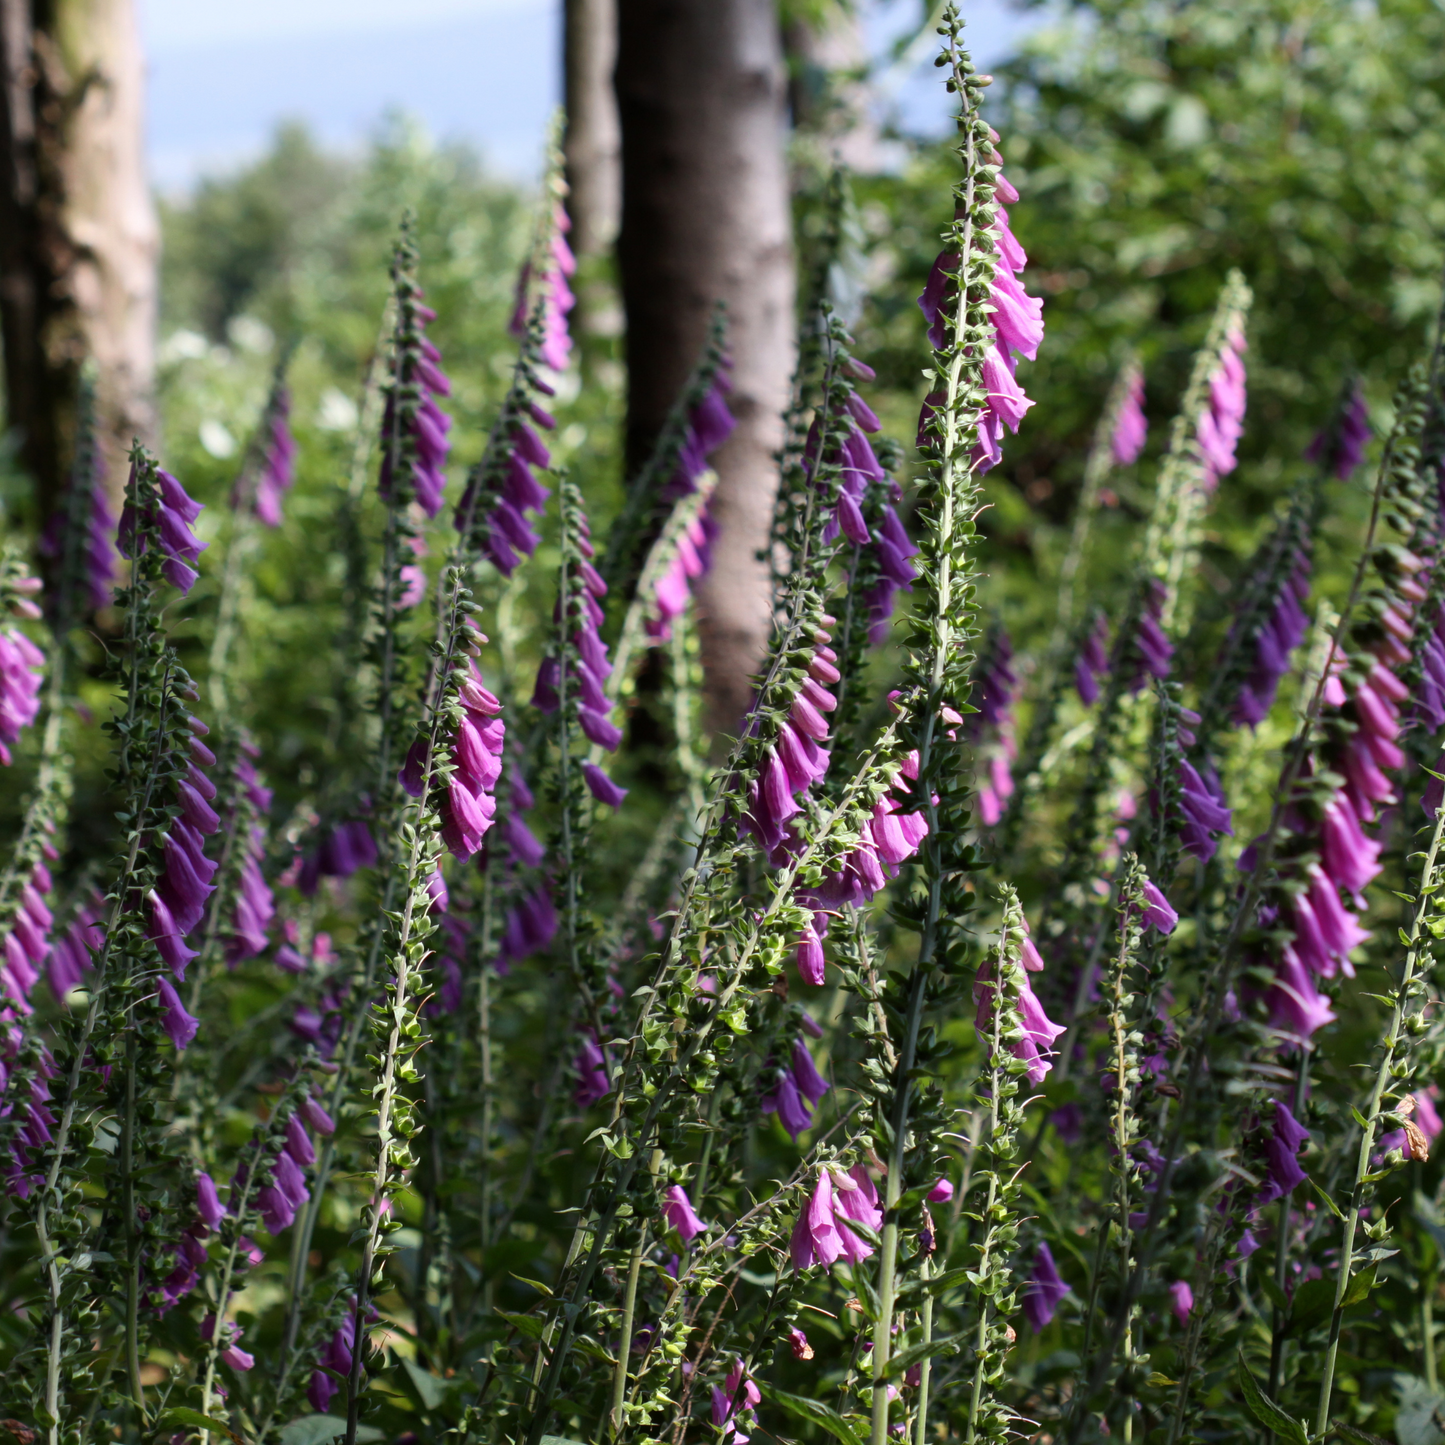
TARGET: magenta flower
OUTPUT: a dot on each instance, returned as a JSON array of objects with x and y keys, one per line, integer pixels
[
  {"x": 1044, "y": 1290},
  {"x": 96, "y": 557},
  {"x": 1181, "y": 1301},
  {"x": 1279, "y": 635},
  {"x": 793, "y": 1111},
  {"x": 70, "y": 957},
  {"x": 1093, "y": 661},
  {"x": 278, "y": 462},
  {"x": 815, "y": 1238},
  {"x": 1281, "y": 1151},
  {"x": 171, "y": 515},
  {"x": 555, "y": 294},
  {"x": 1221, "y": 422},
  {"x": 1131, "y": 427},
  {"x": 423, "y": 424},
  {"x": 737, "y": 1397},
  {"x": 1205, "y": 812},
  {"x": 941, "y": 1192},
  {"x": 20, "y": 666},
  {"x": 680, "y": 1215},
  {"x": 1296, "y": 1006},
  {"x": 1342, "y": 447},
  {"x": 1158, "y": 911},
  {"x": 1040, "y": 1032},
  {"x": 530, "y": 927},
  {"x": 320, "y": 1391},
  {"x": 992, "y": 730},
  {"x": 1153, "y": 651},
  {"x": 27, "y": 945},
  {"x": 602, "y": 787},
  {"x": 208, "y": 1202},
  {"x": 593, "y": 1081},
  {"x": 175, "y": 1020}
]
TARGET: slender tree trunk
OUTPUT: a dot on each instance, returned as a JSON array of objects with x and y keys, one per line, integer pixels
[
  {"x": 828, "y": 89},
  {"x": 78, "y": 232},
  {"x": 593, "y": 142},
  {"x": 705, "y": 217}
]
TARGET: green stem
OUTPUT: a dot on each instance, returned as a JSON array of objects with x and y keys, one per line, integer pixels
[
  {"x": 1383, "y": 1077},
  {"x": 1281, "y": 1246},
  {"x": 920, "y": 1423},
  {"x": 132, "y": 1238}
]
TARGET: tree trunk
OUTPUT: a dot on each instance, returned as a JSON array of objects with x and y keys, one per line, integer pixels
[
  {"x": 78, "y": 232},
  {"x": 705, "y": 217},
  {"x": 593, "y": 142},
  {"x": 831, "y": 99}
]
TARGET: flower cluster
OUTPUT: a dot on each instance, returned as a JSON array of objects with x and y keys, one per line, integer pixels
[
  {"x": 1018, "y": 325},
  {"x": 278, "y": 461},
  {"x": 736, "y": 1398},
  {"x": 1131, "y": 427},
  {"x": 1092, "y": 662},
  {"x": 992, "y": 729},
  {"x": 505, "y": 533},
  {"x": 554, "y": 294},
  {"x": 1281, "y": 631},
  {"x": 414, "y": 428},
  {"x": 1153, "y": 652},
  {"x": 178, "y": 902},
  {"x": 21, "y": 662},
  {"x": 29, "y": 1105},
  {"x": 1035, "y": 1046},
  {"x": 1221, "y": 422},
  {"x": 27, "y": 943},
  {"x": 340, "y": 850},
  {"x": 821, "y": 1234},
  {"x": 797, "y": 1088},
  {"x": 255, "y": 904},
  {"x": 335, "y": 1361},
  {"x": 1341, "y": 447},
  {"x": 468, "y": 805},
  {"x": 69, "y": 959},
  {"x": 796, "y": 759},
  {"x": 168, "y": 514}
]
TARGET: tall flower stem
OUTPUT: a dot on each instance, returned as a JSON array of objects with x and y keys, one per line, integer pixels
[
  {"x": 1281, "y": 1247},
  {"x": 1408, "y": 1006},
  {"x": 132, "y": 1237}
]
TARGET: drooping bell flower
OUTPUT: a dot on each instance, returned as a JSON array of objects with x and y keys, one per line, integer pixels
[
  {"x": 1413, "y": 1144},
  {"x": 593, "y": 1080},
  {"x": 793, "y": 1111},
  {"x": 530, "y": 928},
  {"x": 681, "y": 1216},
  {"x": 602, "y": 787},
  {"x": 1131, "y": 427},
  {"x": 171, "y": 513},
  {"x": 1296, "y": 1006},
  {"x": 1281, "y": 1155},
  {"x": 417, "y": 427},
  {"x": 1045, "y": 1289},
  {"x": 1093, "y": 661},
  {"x": 1221, "y": 422},
  {"x": 1181, "y": 1301},
  {"x": 87, "y": 561},
  {"x": 1205, "y": 811},
  {"x": 706, "y": 427},
  {"x": 469, "y": 804},
  {"x": 1158, "y": 912},
  {"x": 1040, "y": 1032},
  {"x": 175, "y": 1020}
]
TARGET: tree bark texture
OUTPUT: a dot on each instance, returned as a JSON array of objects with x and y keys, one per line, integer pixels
[
  {"x": 592, "y": 145},
  {"x": 705, "y": 217},
  {"x": 831, "y": 99},
  {"x": 78, "y": 231}
]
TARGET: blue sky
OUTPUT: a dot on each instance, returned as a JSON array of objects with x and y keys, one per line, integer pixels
[{"x": 223, "y": 75}]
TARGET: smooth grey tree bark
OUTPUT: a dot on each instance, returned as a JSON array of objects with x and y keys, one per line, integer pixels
[
  {"x": 79, "y": 238},
  {"x": 592, "y": 142},
  {"x": 705, "y": 217}
]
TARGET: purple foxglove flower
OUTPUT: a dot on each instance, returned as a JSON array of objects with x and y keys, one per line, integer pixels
[
  {"x": 1350, "y": 859},
  {"x": 290, "y": 1180},
  {"x": 1181, "y": 1301},
  {"x": 426, "y": 425},
  {"x": 593, "y": 1082},
  {"x": 815, "y": 1236},
  {"x": 315, "y": 1115},
  {"x": 320, "y": 1391},
  {"x": 1158, "y": 911},
  {"x": 793, "y": 1113},
  {"x": 1281, "y": 1153},
  {"x": 20, "y": 662},
  {"x": 1155, "y": 651},
  {"x": 70, "y": 957},
  {"x": 811, "y": 1084},
  {"x": 1044, "y": 1290},
  {"x": 1221, "y": 423},
  {"x": 1343, "y": 447},
  {"x": 208, "y": 1203},
  {"x": 1018, "y": 317},
  {"x": 298, "y": 1142},
  {"x": 599, "y": 728},
  {"x": 680, "y": 1215},
  {"x": 1006, "y": 397},
  {"x": 276, "y": 1210},
  {"x": 602, "y": 787},
  {"x": 237, "y": 1358},
  {"x": 1297, "y": 1008},
  {"x": 941, "y": 1192},
  {"x": 278, "y": 462},
  {"x": 855, "y": 1196},
  {"x": 798, "y": 1344},
  {"x": 1131, "y": 427},
  {"x": 810, "y": 956},
  {"x": 530, "y": 927},
  {"x": 176, "y": 1021},
  {"x": 738, "y": 1396},
  {"x": 1204, "y": 812},
  {"x": 1092, "y": 662}
]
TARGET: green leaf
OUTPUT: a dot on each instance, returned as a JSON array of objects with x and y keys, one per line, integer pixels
[
  {"x": 906, "y": 1359},
  {"x": 1314, "y": 1302},
  {"x": 318, "y": 1429},
  {"x": 813, "y": 1411},
  {"x": 1267, "y": 1412},
  {"x": 1421, "y": 1418},
  {"x": 1329, "y": 1203},
  {"x": 431, "y": 1388},
  {"x": 1273, "y": 1293},
  {"x": 178, "y": 1416},
  {"x": 529, "y": 1325},
  {"x": 1161, "y": 1382},
  {"x": 1353, "y": 1432},
  {"x": 1359, "y": 1287},
  {"x": 559, "y": 1440}
]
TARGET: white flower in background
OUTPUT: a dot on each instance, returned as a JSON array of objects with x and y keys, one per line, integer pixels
[
  {"x": 216, "y": 439},
  {"x": 337, "y": 411}
]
